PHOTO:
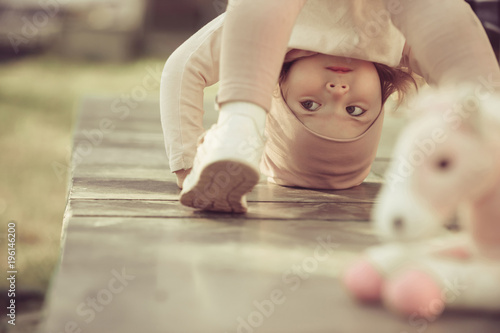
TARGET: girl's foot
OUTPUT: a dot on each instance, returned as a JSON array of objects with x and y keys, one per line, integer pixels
[{"x": 226, "y": 166}]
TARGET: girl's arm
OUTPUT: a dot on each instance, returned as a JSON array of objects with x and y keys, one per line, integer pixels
[
  {"x": 191, "y": 68},
  {"x": 251, "y": 68},
  {"x": 446, "y": 43}
]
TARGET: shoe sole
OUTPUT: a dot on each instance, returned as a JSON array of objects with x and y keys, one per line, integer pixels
[{"x": 221, "y": 187}]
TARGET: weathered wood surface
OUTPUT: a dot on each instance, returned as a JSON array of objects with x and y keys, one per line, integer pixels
[{"x": 135, "y": 260}]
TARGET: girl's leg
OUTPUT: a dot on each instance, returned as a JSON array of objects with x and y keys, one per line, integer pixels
[
  {"x": 448, "y": 43},
  {"x": 254, "y": 43}
]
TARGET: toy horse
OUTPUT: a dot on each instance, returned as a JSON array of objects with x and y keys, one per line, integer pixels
[{"x": 446, "y": 163}]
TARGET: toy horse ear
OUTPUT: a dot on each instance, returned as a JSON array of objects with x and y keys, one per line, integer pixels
[
  {"x": 469, "y": 111},
  {"x": 457, "y": 106},
  {"x": 429, "y": 100},
  {"x": 490, "y": 107}
]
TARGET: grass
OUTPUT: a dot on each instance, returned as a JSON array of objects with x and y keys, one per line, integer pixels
[{"x": 38, "y": 104}]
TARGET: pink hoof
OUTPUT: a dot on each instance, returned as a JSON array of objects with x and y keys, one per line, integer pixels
[
  {"x": 414, "y": 293},
  {"x": 363, "y": 281}
]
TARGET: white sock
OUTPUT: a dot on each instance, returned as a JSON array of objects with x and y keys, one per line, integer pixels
[{"x": 246, "y": 109}]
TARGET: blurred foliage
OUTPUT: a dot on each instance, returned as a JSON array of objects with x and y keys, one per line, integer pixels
[{"x": 39, "y": 98}]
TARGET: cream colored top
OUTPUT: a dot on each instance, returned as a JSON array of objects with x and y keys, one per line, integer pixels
[{"x": 354, "y": 29}]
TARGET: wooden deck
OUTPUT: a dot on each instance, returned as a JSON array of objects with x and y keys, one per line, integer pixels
[{"x": 135, "y": 260}]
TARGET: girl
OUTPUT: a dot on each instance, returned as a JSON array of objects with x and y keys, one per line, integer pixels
[
  {"x": 339, "y": 61},
  {"x": 324, "y": 118}
]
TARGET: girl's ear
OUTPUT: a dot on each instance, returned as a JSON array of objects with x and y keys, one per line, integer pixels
[
  {"x": 472, "y": 125},
  {"x": 470, "y": 109}
]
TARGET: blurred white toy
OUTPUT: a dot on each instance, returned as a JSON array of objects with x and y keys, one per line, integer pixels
[{"x": 447, "y": 162}]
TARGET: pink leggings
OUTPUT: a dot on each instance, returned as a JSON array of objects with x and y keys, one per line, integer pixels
[{"x": 448, "y": 44}]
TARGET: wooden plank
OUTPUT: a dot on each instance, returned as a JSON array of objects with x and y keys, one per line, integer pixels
[
  {"x": 118, "y": 171},
  {"x": 127, "y": 114},
  {"x": 212, "y": 276},
  {"x": 94, "y": 108},
  {"x": 119, "y": 138},
  {"x": 132, "y": 153},
  {"x": 162, "y": 189},
  {"x": 135, "y": 260},
  {"x": 331, "y": 211},
  {"x": 119, "y": 154}
]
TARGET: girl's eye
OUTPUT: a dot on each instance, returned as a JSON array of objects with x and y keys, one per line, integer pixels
[
  {"x": 310, "y": 105},
  {"x": 355, "y": 111}
]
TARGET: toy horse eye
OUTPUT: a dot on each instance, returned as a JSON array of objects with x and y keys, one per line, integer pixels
[
  {"x": 444, "y": 164},
  {"x": 398, "y": 224}
]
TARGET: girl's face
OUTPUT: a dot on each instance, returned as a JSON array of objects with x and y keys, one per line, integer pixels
[{"x": 333, "y": 96}]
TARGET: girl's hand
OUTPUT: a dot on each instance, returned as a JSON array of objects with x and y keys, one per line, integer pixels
[{"x": 181, "y": 175}]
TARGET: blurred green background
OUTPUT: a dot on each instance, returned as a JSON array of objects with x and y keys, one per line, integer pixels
[
  {"x": 39, "y": 97},
  {"x": 52, "y": 54}
]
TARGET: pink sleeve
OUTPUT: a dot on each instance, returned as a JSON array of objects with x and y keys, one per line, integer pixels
[
  {"x": 254, "y": 43},
  {"x": 191, "y": 68},
  {"x": 446, "y": 42}
]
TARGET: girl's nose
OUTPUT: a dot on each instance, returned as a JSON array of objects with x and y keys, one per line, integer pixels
[{"x": 337, "y": 89}]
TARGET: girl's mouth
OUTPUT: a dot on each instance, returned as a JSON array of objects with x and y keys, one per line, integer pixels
[{"x": 338, "y": 69}]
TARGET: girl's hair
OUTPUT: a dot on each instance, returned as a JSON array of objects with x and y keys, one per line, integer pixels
[{"x": 392, "y": 80}]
